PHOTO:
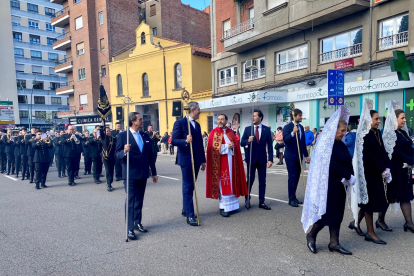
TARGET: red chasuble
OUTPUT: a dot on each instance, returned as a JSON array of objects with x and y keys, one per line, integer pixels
[{"x": 217, "y": 166}]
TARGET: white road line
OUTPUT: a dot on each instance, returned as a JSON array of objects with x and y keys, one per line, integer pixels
[
  {"x": 168, "y": 177},
  {"x": 12, "y": 178},
  {"x": 275, "y": 199}
]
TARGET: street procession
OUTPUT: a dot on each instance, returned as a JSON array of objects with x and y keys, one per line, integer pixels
[{"x": 195, "y": 137}]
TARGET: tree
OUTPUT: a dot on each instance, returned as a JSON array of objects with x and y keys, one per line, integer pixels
[
  {"x": 403, "y": 24},
  {"x": 46, "y": 117},
  {"x": 358, "y": 37}
]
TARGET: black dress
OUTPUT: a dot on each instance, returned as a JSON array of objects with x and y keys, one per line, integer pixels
[
  {"x": 375, "y": 159},
  {"x": 401, "y": 187},
  {"x": 340, "y": 167}
]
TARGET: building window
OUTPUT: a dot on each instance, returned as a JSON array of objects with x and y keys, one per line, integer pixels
[
  {"x": 103, "y": 71},
  {"x": 142, "y": 38},
  {"x": 76, "y": 1},
  {"x": 56, "y": 100},
  {"x": 21, "y": 84},
  {"x": 15, "y": 4},
  {"x": 228, "y": 76},
  {"x": 19, "y": 67},
  {"x": 81, "y": 74},
  {"x": 32, "y": 8},
  {"x": 36, "y": 69},
  {"x": 119, "y": 84},
  {"x": 100, "y": 16},
  {"x": 153, "y": 10},
  {"x": 292, "y": 59},
  {"x": 50, "y": 41},
  {"x": 254, "y": 69},
  {"x": 393, "y": 32},
  {"x": 18, "y": 52},
  {"x": 145, "y": 85},
  {"x": 78, "y": 23},
  {"x": 54, "y": 86},
  {"x": 83, "y": 100},
  {"x": 21, "y": 98},
  {"x": 34, "y": 24},
  {"x": 38, "y": 85},
  {"x": 178, "y": 77},
  {"x": 53, "y": 56},
  {"x": 154, "y": 31},
  {"x": 35, "y": 39},
  {"x": 15, "y": 20},
  {"x": 17, "y": 36},
  {"x": 80, "y": 50},
  {"x": 226, "y": 28},
  {"x": 40, "y": 115},
  {"x": 341, "y": 46},
  {"x": 39, "y": 100},
  {"x": 102, "y": 44},
  {"x": 24, "y": 114},
  {"x": 50, "y": 28},
  {"x": 251, "y": 13},
  {"x": 49, "y": 11},
  {"x": 36, "y": 54},
  {"x": 52, "y": 71}
]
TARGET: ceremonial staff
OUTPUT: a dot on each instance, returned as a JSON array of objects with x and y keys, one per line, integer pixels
[
  {"x": 186, "y": 97},
  {"x": 249, "y": 170},
  {"x": 292, "y": 107},
  {"x": 127, "y": 100}
]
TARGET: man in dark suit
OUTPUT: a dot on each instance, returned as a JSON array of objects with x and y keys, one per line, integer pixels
[
  {"x": 262, "y": 155},
  {"x": 181, "y": 139},
  {"x": 9, "y": 150},
  {"x": 3, "y": 157},
  {"x": 292, "y": 154},
  {"x": 118, "y": 164},
  {"x": 86, "y": 154},
  {"x": 70, "y": 141},
  {"x": 58, "y": 154},
  {"x": 23, "y": 154},
  {"x": 140, "y": 160},
  {"x": 41, "y": 158},
  {"x": 108, "y": 155},
  {"x": 94, "y": 141},
  {"x": 154, "y": 141},
  {"x": 79, "y": 150},
  {"x": 30, "y": 152},
  {"x": 17, "y": 156}
]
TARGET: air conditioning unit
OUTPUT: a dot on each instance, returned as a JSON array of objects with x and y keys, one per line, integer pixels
[{"x": 251, "y": 64}]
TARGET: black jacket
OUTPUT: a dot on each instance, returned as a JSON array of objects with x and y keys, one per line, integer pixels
[
  {"x": 86, "y": 147},
  {"x": 154, "y": 141},
  {"x": 9, "y": 146},
  {"x": 23, "y": 145},
  {"x": 2, "y": 145},
  {"x": 108, "y": 146},
  {"x": 291, "y": 145},
  {"x": 41, "y": 151},
  {"x": 17, "y": 142},
  {"x": 95, "y": 147},
  {"x": 262, "y": 151},
  {"x": 28, "y": 141},
  {"x": 69, "y": 145},
  {"x": 57, "y": 146}
]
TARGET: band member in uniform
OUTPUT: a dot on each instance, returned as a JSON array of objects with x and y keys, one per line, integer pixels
[
  {"x": 23, "y": 154},
  {"x": 86, "y": 152},
  {"x": 70, "y": 141},
  {"x": 17, "y": 156},
  {"x": 58, "y": 153},
  {"x": 9, "y": 150},
  {"x": 3, "y": 157},
  {"x": 118, "y": 163},
  {"x": 94, "y": 143},
  {"x": 62, "y": 162},
  {"x": 30, "y": 152},
  {"x": 108, "y": 154},
  {"x": 41, "y": 158},
  {"x": 154, "y": 142},
  {"x": 79, "y": 150}
]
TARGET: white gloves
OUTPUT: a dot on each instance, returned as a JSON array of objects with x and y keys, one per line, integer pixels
[
  {"x": 387, "y": 175},
  {"x": 405, "y": 165},
  {"x": 350, "y": 182}
]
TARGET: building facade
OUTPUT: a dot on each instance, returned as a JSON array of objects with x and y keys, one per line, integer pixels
[
  {"x": 154, "y": 72},
  {"x": 280, "y": 51},
  {"x": 35, "y": 60}
]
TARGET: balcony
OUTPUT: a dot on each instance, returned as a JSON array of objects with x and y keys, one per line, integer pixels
[
  {"x": 241, "y": 28},
  {"x": 293, "y": 18},
  {"x": 292, "y": 66},
  {"x": 69, "y": 112},
  {"x": 393, "y": 41},
  {"x": 343, "y": 53},
  {"x": 61, "y": 18},
  {"x": 228, "y": 81},
  {"x": 66, "y": 88},
  {"x": 63, "y": 42},
  {"x": 64, "y": 66},
  {"x": 60, "y": 2},
  {"x": 254, "y": 74}
]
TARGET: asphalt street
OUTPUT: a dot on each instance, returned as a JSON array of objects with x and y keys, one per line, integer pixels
[{"x": 64, "y": 230}]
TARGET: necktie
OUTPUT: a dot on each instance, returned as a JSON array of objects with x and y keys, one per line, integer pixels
[
  {"x": 257, "y": 134},
  {"x": 140, "y": 144},
  {"x": 298, "y": 130}
]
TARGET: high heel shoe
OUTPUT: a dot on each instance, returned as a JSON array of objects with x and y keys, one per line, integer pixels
[
  {"x": 386, "y": 228},
  {"x": 406, "y": 228},
  {"x": 311, "y": 246},
  {"x": 369, "y": 238},
  {"x": 352, "y": 227},
  {"x": 340, "y": 250}
]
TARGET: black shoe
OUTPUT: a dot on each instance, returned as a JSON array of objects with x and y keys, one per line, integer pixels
[
  {"x": 406, "y": 228},
  {"x": 140, "y": 228},
  {"x": 383, "y": 227},
  {"x": 17, "y": 175},
  {"x": 85, "y": 173},
  {"x": 293, "y": 203},
  {"x": 8, "y": 173},
  {"x": 369, "y": 238},
  {"x": 110, "y": 189},
  {"x": 297, "y": 201},
  {"x": 59, "y": 175},
  {"x": 73, "y": 183},
  {"x": 23, "y": 178},
  {"x": 340, "y": 250},
  {"x": 224, "y": 214},
  {"x": 352, "y": 227},
  {"x": 37, "y": 186},
  {"x": 76, "y": 177},
  {"x": 43, "y": 186},
  {"x": 118, "y": 179},
  {"x": 31, "y": 181},
  {"x": 64, "y": 175},
  {"x": 311, "y": 246},
  {"x": 192, "y": 221},
  {"x": 101, "y": 175},
  {"x": 70, "y": 183},
  {"x": 247, "y": 204},
  {"x": 97, "y": 181},
  {"x": 131, "y": 235},
  {"x": 264, "y": 206}
]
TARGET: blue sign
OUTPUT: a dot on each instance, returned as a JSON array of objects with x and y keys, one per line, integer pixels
[{"x": 336, "y": 87}]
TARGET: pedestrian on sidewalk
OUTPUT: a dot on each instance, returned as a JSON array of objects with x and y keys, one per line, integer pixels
[
  {"x": 164, "y": 143},
  {"x": 171, "y": 147},
  {"x": 280, "y": 145}
]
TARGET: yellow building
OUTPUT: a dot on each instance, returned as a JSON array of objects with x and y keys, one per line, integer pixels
[{"x": 153, "y": 72}]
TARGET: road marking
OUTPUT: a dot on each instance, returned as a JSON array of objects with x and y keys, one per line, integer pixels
[
  {"x": 275, "y": 199},
  {"x": 168, "y": 177},
  {"x": 12, "y": 178}
]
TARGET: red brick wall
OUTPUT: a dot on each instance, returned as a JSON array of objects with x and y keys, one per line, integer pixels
[
  {"x": 225, "y": 9},
  {"x": 245, "y": 10}
]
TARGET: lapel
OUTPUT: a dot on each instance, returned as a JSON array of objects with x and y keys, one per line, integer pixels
[{"x": 134, "y": 145}]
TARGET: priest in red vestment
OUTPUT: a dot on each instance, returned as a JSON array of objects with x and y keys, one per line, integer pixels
[{"x": 226, "y": 179}]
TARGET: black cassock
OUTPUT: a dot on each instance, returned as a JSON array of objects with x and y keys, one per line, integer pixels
[
  {"x": 375, "y": 159},
  {"x": 401, "y": 187},
  {"x": 340, "y": 167}
]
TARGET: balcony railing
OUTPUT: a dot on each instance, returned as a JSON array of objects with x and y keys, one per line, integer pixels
[
  {"x": 347, "y": 52},
  {"x": 242, "y": 27},
  {"x": 66, "y": 84},
  {"x": 63, "y": 36},
  {"x": 254, "y": 74},
  {"x": 392, "y": 41},
  {"x": 62, "y": 11},
  {"x": 65, "y": 60},
  {"x": 228, "y": 81},
  {"x": 64, "y": 108},
  {"x": 292, "y": 65}
]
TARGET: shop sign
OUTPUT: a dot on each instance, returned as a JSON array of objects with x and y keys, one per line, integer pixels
[
  {"x": 6, "y": 112},
  {"x": 346, "y": 63},
  {"x": 85, "y": 120}
]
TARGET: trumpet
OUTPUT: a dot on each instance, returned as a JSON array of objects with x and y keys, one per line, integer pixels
[
  {"x": 46, "y": 141},
  {"x": 77, "y": 142}
]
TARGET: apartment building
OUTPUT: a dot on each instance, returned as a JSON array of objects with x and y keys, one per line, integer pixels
[
  {"x": 269, "y": 53},
  {"x": 35, "y": 59}
]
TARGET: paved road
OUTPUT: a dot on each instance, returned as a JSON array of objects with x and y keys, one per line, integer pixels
[{"x": 79, "y": 230}]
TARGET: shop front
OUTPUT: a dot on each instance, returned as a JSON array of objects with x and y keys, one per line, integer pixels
[{"x": 88, "y": 123}]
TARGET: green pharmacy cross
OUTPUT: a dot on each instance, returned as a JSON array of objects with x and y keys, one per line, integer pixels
[
  {"x": 401, "y": 65},
  {"x": 410, "y": 105}
]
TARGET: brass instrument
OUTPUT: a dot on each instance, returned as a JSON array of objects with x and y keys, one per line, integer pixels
[
  {"x": 46, "y": 141},
  {"x": 77, "y": 141}
]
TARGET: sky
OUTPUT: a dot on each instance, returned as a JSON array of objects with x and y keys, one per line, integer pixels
[{"x": 198, "y": 4}]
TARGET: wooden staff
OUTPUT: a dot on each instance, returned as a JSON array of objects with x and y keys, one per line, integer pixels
[{"x": 292, "y": 106}]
